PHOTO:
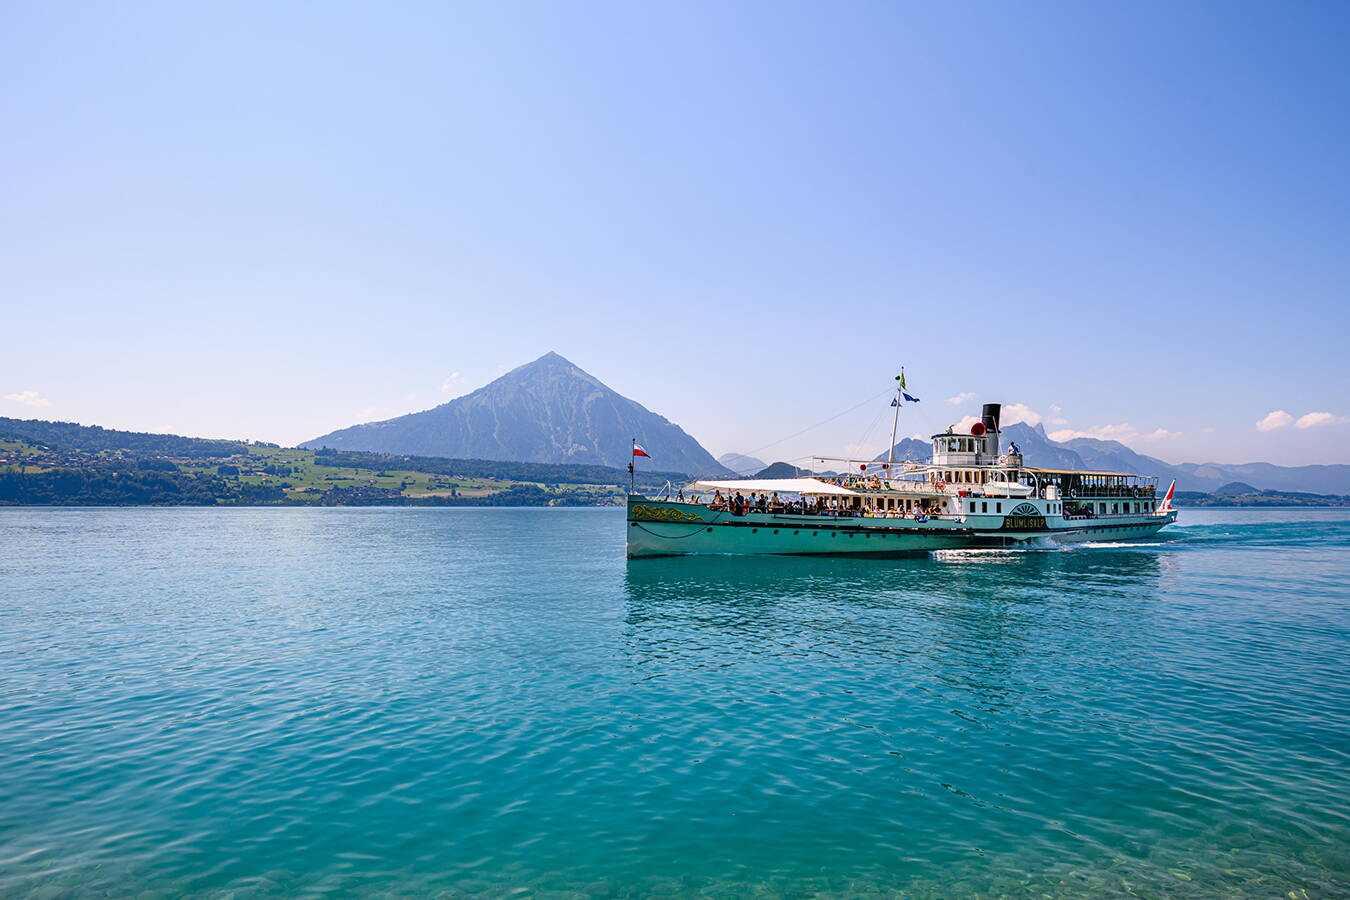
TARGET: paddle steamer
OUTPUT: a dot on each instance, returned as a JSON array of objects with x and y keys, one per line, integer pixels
[{"x": 971, "y": 493}]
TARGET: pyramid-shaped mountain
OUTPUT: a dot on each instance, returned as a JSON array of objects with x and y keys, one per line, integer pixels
[{"x": 546, "y": 411}]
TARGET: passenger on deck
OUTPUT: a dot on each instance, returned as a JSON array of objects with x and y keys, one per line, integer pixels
[{"x": 718, "y": 501}]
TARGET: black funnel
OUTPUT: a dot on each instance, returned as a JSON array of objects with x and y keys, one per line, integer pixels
[{"x": 989, "y": 415}]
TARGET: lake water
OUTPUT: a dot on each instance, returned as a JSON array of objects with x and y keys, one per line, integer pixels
[{"x": 492, "y": 703}]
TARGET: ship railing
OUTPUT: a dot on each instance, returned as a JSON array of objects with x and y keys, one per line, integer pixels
[
  {"x": 824, "y": 513},
  {"x": 1108, "y": 493}
]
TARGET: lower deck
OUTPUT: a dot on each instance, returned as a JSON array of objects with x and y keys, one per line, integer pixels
[{"x": 665, "y": 528}]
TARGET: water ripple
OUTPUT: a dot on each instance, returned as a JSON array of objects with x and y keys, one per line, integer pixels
[{"x": 493, "y": 703}]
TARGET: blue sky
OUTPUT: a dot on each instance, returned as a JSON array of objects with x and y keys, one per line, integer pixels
[{"x": 267, "y": 221}]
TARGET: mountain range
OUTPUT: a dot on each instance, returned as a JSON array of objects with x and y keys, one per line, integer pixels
[
  {"x": 551, "y": 411},
  {"x": 1089, "y": 453},
  {"x": 546, "y": 411},
  {"x": 741, "y": 464}
]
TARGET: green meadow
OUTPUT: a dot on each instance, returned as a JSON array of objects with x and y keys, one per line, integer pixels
[{"x": 236, "y": 473}]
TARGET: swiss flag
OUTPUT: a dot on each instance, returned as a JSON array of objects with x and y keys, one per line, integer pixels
[{"x": 638, "y": 451}]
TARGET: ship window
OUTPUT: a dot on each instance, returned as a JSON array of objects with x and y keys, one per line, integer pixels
[
  {"x": 984, "y": 507},
  {"x": 998, "y": 507}
]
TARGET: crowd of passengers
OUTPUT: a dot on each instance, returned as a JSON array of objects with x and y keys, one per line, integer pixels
[{"x": 738, "y": 505}]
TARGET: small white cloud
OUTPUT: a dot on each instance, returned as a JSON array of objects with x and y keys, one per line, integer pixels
[
  {"x": 28, "y": 398},
  {"x": 962, "y": 397},
  {"x": 965, "y": 423},
  {"x": 1317, "y": 419},
  {"x": 1020, "y": 412},
  {"x": 1160, "y": 434},
  {"x": 1208, "y": 429},
  {"x": 450, "y": 384},
  {"x": 1058, "y": 420},
  {"x": 1275, "y": 419}
]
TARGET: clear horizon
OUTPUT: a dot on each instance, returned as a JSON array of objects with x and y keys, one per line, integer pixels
[{"x": 257, "y": 223}]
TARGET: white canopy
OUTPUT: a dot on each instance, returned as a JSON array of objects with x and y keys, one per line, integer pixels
[{"x": 781, "y": 485}]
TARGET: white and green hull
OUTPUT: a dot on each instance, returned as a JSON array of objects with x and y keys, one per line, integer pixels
[{"x": 667, "y": 528}]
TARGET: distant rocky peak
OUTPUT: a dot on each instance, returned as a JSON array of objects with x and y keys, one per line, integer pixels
[
  {"x": 547, "y": 410},
  {"x": 550, "y": 365}
]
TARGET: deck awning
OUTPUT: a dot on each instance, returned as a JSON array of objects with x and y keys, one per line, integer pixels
[{"x": 781, "y": 485}]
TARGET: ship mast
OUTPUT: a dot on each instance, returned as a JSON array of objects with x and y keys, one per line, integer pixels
[{"x": 895, "y": 423}]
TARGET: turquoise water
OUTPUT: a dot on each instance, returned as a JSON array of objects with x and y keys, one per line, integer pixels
[{"x": 493, "y": 703}]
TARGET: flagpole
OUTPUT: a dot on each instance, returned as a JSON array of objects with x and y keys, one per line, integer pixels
[
  {"x": 632, "y": 479},
  {"x": 895, "y": 424}
]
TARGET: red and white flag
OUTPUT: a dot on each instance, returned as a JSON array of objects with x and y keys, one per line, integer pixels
[
  {"x": 638, "y": 451},
  {"x": 1166, "y": 505}
]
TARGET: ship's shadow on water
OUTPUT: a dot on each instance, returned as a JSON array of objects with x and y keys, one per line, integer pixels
[
  {"x": 655, "y": 586},
  {"x": 961, "y": 618}
]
